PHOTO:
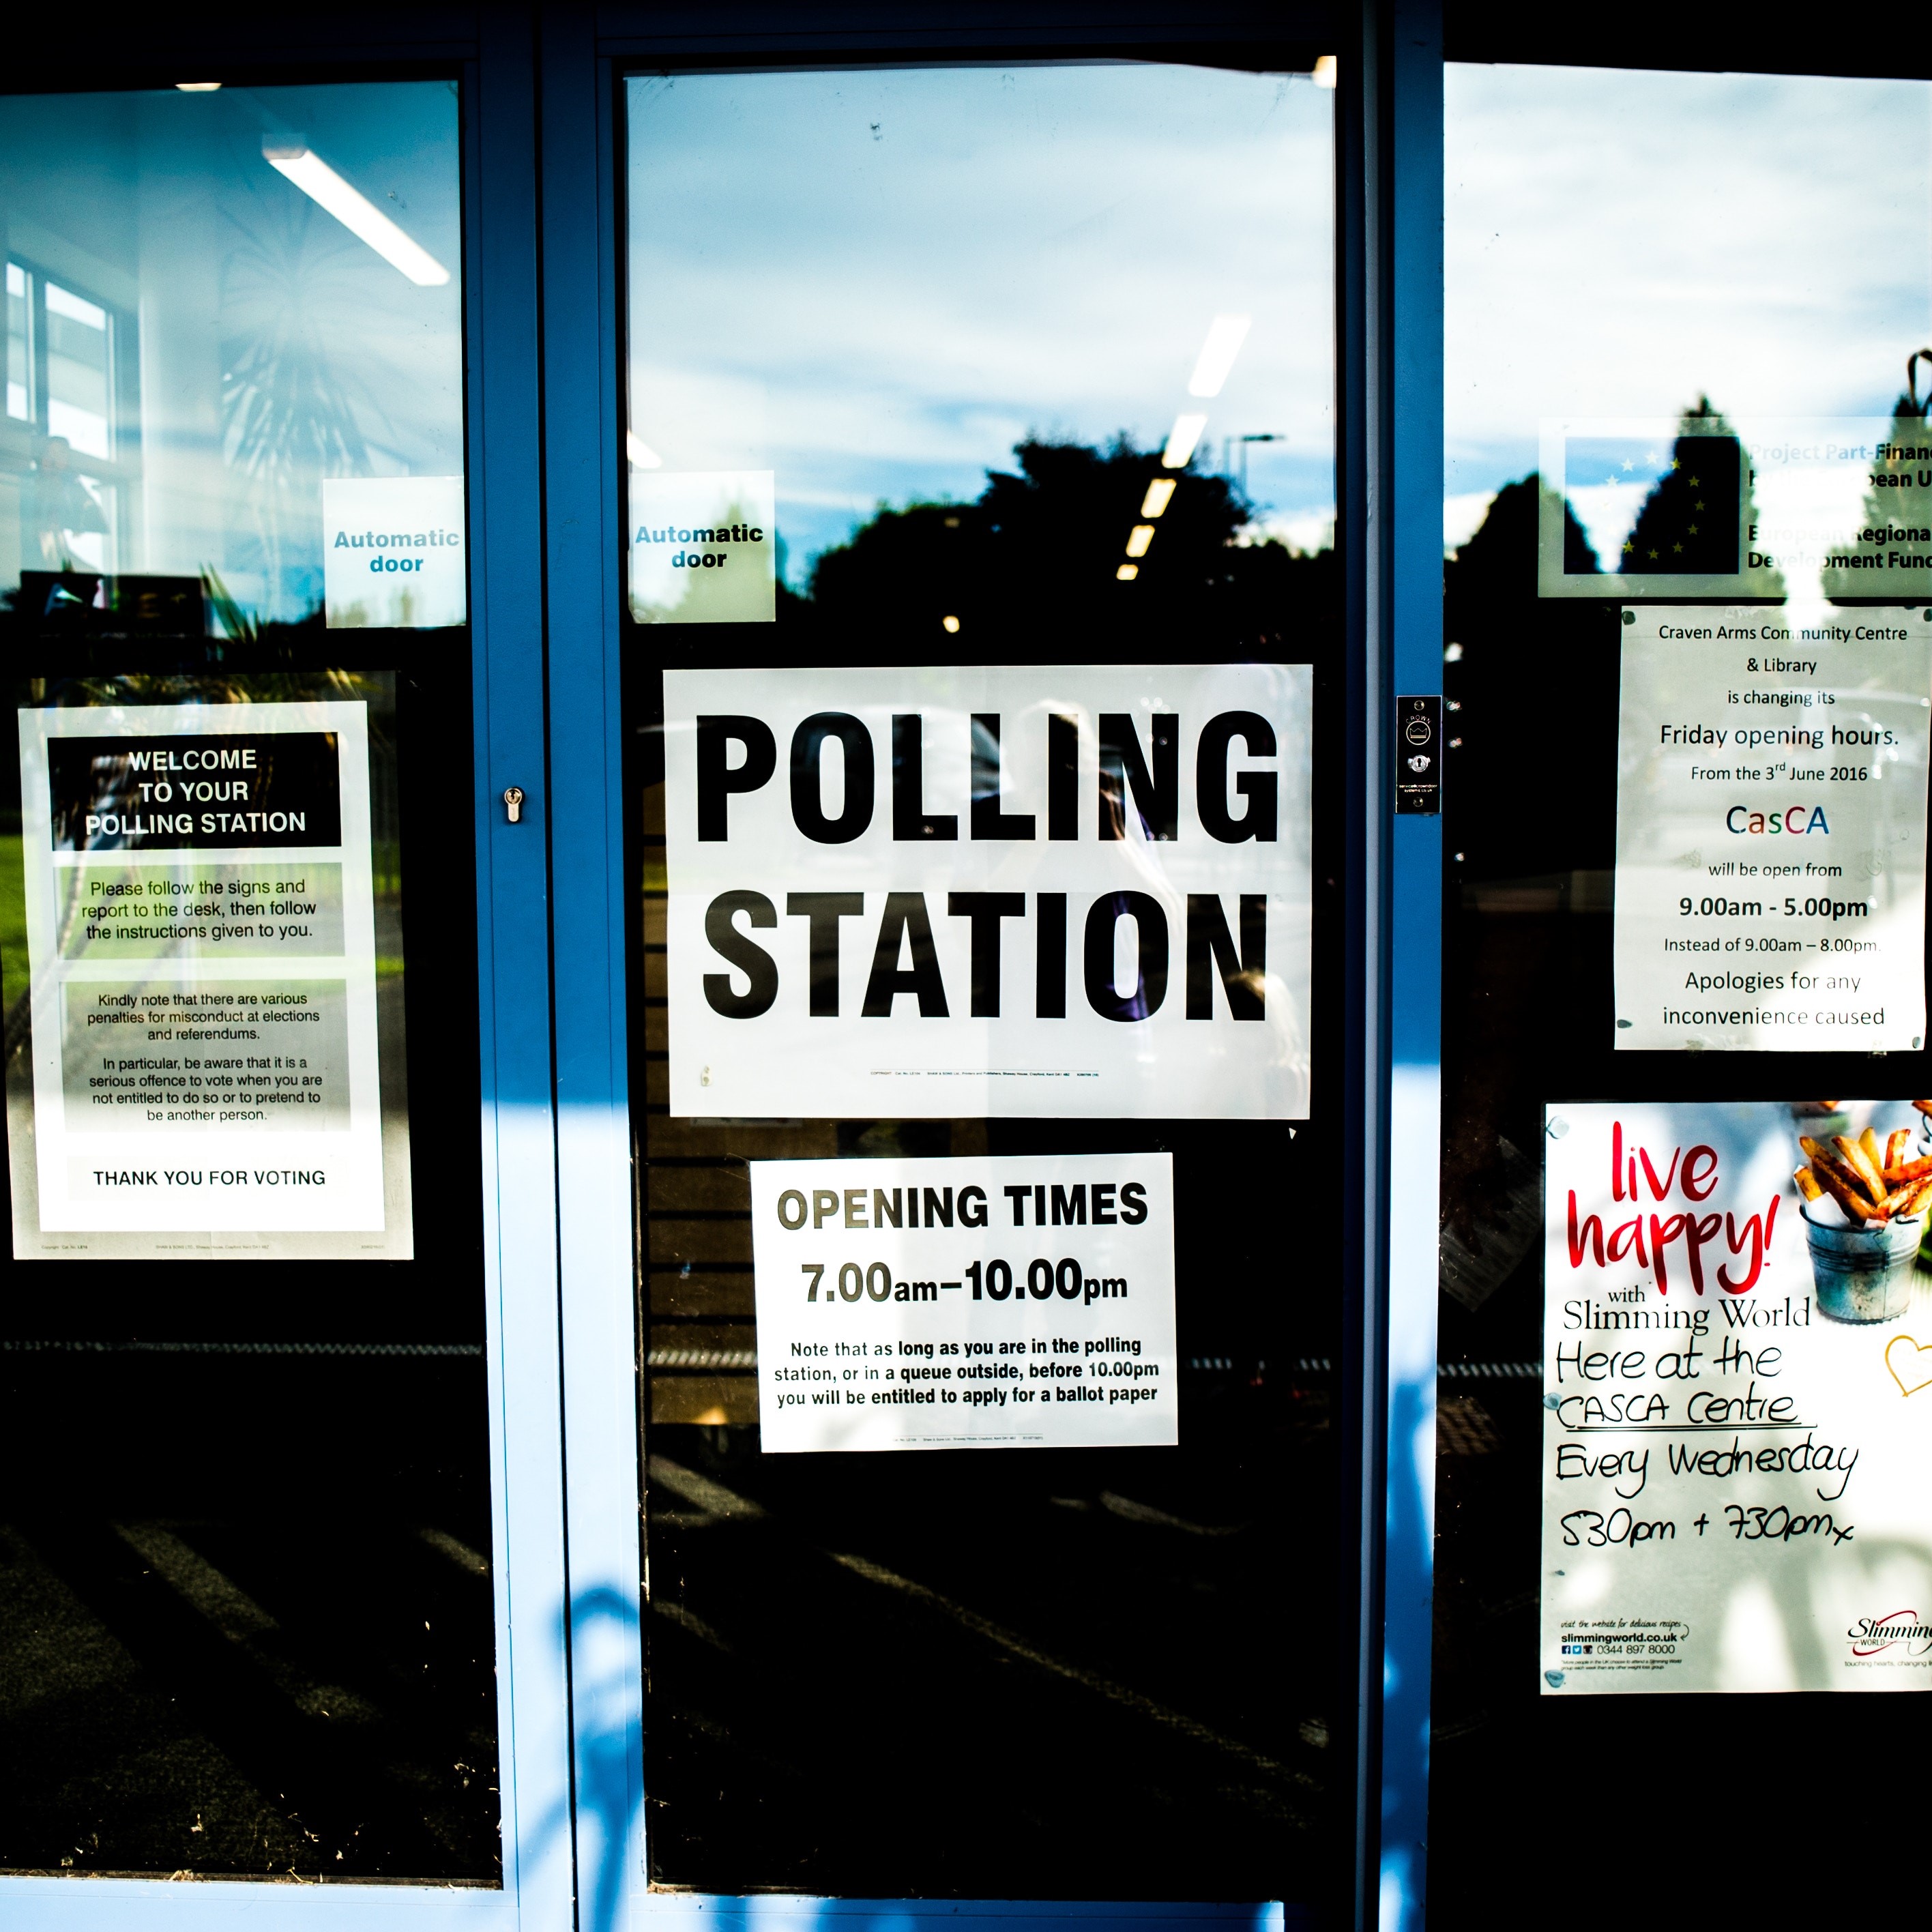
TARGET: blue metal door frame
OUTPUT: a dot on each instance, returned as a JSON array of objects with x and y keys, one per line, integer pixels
[
  {"x": 540, "y": 175},
  {"x": 1412, "y": 203},
  {"x": 1390, "y": 357},
  {"x": 519, "y": 1143}
]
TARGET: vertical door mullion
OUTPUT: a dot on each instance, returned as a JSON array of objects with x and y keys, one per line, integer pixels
[
  {"x": 519, "y": 1143},
  {"x": 1413, "y": 490},
  {"x": 581, "y": 466},
  {"x": 1360, "y": 543}
]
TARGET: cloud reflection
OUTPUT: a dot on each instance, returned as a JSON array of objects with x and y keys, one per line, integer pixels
[
  {"x": 1620, "y": 242},
  {"x": 876, "y": 284}
]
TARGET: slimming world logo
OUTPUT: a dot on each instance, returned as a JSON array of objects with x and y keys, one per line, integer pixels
[{"x": 1872, "y": 1636}]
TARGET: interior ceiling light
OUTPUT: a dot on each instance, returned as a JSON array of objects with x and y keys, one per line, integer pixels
[
  {"x": 289, "y": 155},
  {"x": 1137, "y": 540},
  {"x": 952, "y": 624},
  {"x": 1180, "y": 441},
  {"x": 1128, "y": 572},
  {"x": 197, "y": 87},
  {"x": 1325, "y": 71},
  {"x": 1225, "y": 334},
  {"x": 642, "y": 455},
  {"x": 1159, "y": 492}
]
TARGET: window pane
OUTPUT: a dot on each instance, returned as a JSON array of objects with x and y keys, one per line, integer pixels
[
  {"x": 231, "y": 317},
  {"x": 954, "y": 374},
  {"x": 20, "y": 348},
  {"x": 1065, "y": 323},
  {"x": 77, "y": 372}
]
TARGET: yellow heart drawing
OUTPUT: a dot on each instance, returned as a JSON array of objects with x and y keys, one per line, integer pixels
[{"x": 1920, "y": 1365}]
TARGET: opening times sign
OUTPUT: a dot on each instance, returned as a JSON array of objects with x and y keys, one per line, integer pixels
[
  {"x": 1079, "y": 890},
  {"x": 1771, "y": 828},
  {"x": 200, "y": 930},
  {"x": 985, "y": 1302}
]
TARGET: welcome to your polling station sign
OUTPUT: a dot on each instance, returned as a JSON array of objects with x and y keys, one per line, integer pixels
[
  {"x": 200, "y": 933},
  {"x": 1073, "y": 890}
]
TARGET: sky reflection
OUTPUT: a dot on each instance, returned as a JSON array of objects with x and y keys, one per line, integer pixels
[
  {"x": 1619, "y": 243},
  {"x": 876, "y": 283}
]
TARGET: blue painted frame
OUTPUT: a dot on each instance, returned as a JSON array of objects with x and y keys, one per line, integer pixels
[
  {"x": 1361, "y": 461},
  {"x": 1390, "y": 353},
  {"x": 519, "y": 1143},
  {"x": 582, "y": 589},
  {"x": 582, "y": 416},
  {"x": 540, "y": 173},
  {"x": 1412, "y": 53}
]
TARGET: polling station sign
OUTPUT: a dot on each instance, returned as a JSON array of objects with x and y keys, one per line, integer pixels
[{"x": 1073, "y": 890}]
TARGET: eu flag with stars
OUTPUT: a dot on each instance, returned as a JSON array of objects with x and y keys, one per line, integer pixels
[{"x": 1682, "y": 495}]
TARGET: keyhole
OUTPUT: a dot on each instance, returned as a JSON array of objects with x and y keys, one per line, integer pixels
[{"x": 513, "y": 801}]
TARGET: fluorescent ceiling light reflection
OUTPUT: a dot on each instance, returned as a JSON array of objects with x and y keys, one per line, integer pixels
[
  {"x": 642, "y": 455},
  {"x": 1139, "y": 539},
  {"x": 1180, "y": 441},
  {"x": 363, "y": 219},
  {"x": 1128, "y": 572},
  {"x": 1158, "y": 493},
  {"x": 1225, "y": 334},
  {"x": 197, "y": 87}
]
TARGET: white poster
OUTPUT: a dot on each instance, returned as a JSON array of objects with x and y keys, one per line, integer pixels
[
  {"x": 1737, "y": 1472},
  {"x": 1771, "y": 829},
  {"x": 200, "y": 935},
  {"x": 393, "y": 552},
  {"x": 1020, "y": 1302},
  {"x": 1078, "y": 890},
  {"x": 1748, "y": 507},
  {"x": 704, "y": 546}
]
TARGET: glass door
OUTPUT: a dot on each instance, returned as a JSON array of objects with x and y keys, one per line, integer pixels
[
  {"x": 980, "y": 656},
  {"x": 1689, "y": 667},
  {"x": 255, "y": 1505}
]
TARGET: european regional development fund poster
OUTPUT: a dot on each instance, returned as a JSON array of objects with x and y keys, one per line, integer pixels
[
  {"x": 200, "y": 933},
  {"x": 1737, "y": 1454}
]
